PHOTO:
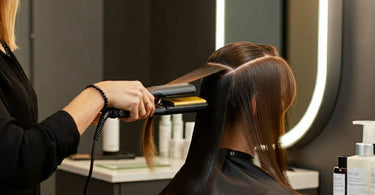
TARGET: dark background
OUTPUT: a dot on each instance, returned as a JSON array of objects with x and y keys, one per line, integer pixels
[{"x": 66, "y": 45}]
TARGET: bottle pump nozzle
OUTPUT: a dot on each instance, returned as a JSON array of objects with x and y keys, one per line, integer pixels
[
  {"x": 366, "y": 148},
  {"x": 368, "y": 131}
]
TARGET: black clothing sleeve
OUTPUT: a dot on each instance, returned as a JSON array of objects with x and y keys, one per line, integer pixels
[
  {"x": 29, "y": 151},
  {"x": 30, "y": 156}
]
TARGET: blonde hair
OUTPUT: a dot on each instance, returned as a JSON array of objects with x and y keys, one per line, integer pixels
[{"x": 8, "y": 11}]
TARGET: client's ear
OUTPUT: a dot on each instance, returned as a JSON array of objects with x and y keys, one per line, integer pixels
[{"x": 254, "y": 104}]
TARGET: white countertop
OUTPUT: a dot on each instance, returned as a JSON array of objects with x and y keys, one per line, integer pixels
[
  {"x": 301, "y": 179},
  {"x": 118, "y": 171}
]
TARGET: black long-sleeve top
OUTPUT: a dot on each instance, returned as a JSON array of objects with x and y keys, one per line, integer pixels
[{"x": 29, "y": 151}]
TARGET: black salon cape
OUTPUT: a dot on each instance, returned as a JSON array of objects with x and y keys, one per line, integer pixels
[
  {"x": 240, "y": 176},
  {"x": 29, "y": 151}
]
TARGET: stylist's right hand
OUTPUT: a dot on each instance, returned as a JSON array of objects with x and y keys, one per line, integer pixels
[{"x": 129, "y": 95}]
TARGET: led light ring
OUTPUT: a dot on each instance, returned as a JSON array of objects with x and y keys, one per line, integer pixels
[{"x": 220, "y": 23}]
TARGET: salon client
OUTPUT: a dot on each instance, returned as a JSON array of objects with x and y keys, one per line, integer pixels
[
  {"x": 31, "y": 151},
  {"x": 235, "y": 147}
]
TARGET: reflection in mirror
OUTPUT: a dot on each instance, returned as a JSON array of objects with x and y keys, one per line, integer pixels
[
  {"x": 299, "y": 30},
  {"x": 292, "y": 27},
  {"x": 302, "y": 46}
]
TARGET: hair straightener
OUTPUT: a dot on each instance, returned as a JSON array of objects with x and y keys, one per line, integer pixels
[{"x": 171, "y": 99}]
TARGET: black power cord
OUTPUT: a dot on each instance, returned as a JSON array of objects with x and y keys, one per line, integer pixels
[{"x": 108, "y": 113}]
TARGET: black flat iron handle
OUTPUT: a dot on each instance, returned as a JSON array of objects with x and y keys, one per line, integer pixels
[
  {"x": 162, "y": 91},
  {"x": 115, "y": 113},
  {"x": 180, "y": 109}
]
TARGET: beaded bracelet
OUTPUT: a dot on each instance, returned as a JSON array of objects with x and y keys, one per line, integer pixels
[{"x": 101, "y": 92}]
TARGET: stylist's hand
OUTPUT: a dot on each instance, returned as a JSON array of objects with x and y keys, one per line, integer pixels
[{"x": 131, "y": 96}]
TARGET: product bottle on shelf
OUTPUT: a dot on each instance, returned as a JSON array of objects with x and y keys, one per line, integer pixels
[
  {"x": 111, "y": 136},
  {"x": 177, "y": 141},
  {"x": 340, "y": 177},
  {"x": 361, "y": 167},
  {"x": 189, "y": 128},
  {"x": 165, "y": 130}
]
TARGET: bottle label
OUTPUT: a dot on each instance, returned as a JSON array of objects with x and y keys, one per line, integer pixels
[
  {"x": 178, "y": 131},
  {"x": 164, "y": 137},
  {"x": 372, "y": 182},
  {"x": 338, "y": 184},
  {"x": 357, "y": 181}
]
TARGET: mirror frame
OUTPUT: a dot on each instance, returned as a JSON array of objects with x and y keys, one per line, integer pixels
[{"x": 328, "y": 76}]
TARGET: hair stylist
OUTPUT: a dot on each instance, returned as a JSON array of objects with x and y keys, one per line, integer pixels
[{"x": 31, "y": 151}]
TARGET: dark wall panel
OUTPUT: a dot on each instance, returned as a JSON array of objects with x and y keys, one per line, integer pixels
[
  {"x": 67, "y": 56},
  {"x": 183, "y": 36},
  {"x": 23, "y": 25},
  {"x": 127, "y": 40},
  {"x": 67, "y": 50}
]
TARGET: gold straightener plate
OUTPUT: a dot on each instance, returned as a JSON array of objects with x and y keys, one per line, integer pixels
[{"x": 183, "y": 101}]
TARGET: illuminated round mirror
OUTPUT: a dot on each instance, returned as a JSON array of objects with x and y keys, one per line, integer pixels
[{"x": 308, "y": 35}]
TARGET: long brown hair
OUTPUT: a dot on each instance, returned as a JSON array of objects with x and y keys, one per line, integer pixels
[
  {"x": 256, "y": 71},
  {"x": 8, "y": 11}
]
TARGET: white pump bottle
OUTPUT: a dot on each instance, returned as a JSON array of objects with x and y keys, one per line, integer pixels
[{"x": 361, "y": 167}]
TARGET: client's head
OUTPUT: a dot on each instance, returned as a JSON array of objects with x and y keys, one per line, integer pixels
[{"x": 262, "y": 88}]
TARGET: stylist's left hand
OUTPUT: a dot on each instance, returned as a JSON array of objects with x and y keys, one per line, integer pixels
[{"x": 131, "y": 96}]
